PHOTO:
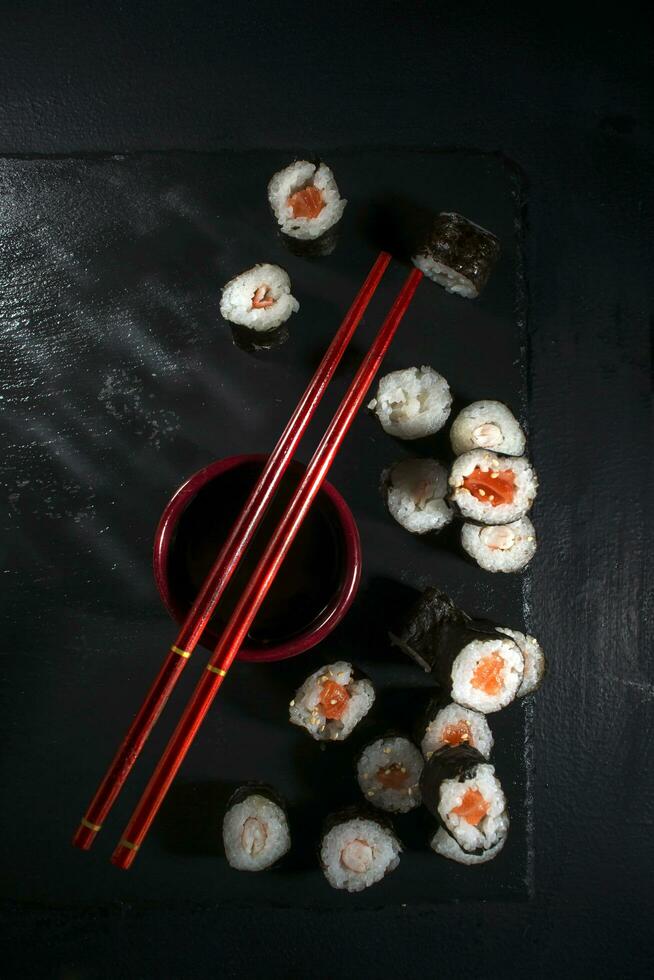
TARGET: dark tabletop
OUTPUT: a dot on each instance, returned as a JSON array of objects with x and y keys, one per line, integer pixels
[{"x": 568, "y": 101}]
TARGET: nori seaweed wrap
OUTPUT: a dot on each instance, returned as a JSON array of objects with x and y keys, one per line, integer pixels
[{"x": 458, "y": 254}]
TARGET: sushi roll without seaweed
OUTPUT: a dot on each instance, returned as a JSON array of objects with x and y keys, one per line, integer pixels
[
  {"x": 259, "y": 300},
  {"x": 487, "y": 425},
  {"x": 458, "y": 254},
  {"x": 500, "y": 547},
  {"x": 452, "y": 724},
  {"x": 255, "y": 829},
  {"x": 307, "y": 206},
  {"x": 448, "y": 848},
  {"x": 415, "y": 492},
  {"x": 412, "y": 403},
  {"x": 473, "y": 663},
  {"x": 492, "y": 489},
  {"x": 357, "y": 851},
  {"x": 332, "y": 702},
  {"x": 462, "y": 791},
  {"x": 388, "y": 771},
  {"x": 534, "y": 658}
]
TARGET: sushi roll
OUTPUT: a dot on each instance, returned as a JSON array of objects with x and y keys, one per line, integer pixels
[
  {"x": 255, "y": 829},
  {"x": 412, "y": 403},
  {"x": 500, "y": 547},
  {"x": 534, "y": 658},
  {"x": 415, "y": 492},
  {"x": 457, "y": 254},
  {"x": 307, "y": 207},
  {"x": 473, "y": 663},
  {"x": 448, "y": 848},
  {"x": 492, "y": 489},
  {"x": 388, "y": 772},
  {"x": 258, "y": 303},
  {"x": 462, "y": 791},
  {"x": 357, "y": 851},
  {"x": 332, "y": 702},
  {"x": 487, "y": 425},
  {"x": 452, "y": 724}
]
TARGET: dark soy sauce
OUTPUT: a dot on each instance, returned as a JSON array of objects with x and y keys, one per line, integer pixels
[{"x": 307, "y": 580}]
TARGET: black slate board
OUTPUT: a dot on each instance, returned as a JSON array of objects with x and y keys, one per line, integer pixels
[{"x": 118, "y": 381}]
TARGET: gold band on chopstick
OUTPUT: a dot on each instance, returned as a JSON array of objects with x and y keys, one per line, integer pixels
[
  {"x": 217, "y": 670},
  {"x": 95, "y": 827},
  {"x": 183, "y": 653},
  {"x": 128, "y": 844}
]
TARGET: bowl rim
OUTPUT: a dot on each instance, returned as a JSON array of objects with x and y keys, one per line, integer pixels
[{"x": 333, "y": 612}]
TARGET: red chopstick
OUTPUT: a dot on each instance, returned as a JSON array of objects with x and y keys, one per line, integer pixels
[
  {"x": 239, "y": 538},
  {"x": 260, "y": 582}
]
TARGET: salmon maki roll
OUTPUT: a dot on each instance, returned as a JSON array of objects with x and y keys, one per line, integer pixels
[
  {"x": 451, "y": 725},
  {"x": 460, "y": 788},
  {"x": 388, "y": 773},
  {"x": 491, "y": 489},
  {"x": 332, "y": 702},
  {"x": 457, "y": 254},
  {"x": 307, "y": 206}
]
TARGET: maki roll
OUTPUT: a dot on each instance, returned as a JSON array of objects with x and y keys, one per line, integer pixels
[
  {"x": 500, "y": 547},
  {"x": 307, "y": 207},
  {"x": 462, "y": 791},
  {"x": 457, "y": 254},
  {"x": 448, "y": 848},
  {"x": 412, "y": 403},
  {"x": 473, "y": 663},
  {"x": 487, "y": 425},
  {"x": 492, "y": 489},
  {"x": 388, "y": 772},
  {"x": 258, "y": 303},
  {"x": 357, "y": 851},
  {"x": 453, "y": 725},
  {"x": 332, "y": 702},
  {"x": 534, "y": 658},
  {"x": 255, "y": 829},
  {"x": 415, "y": 492}
]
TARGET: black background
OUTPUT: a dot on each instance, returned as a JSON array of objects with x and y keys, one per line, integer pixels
[{"x": 568, "y": 100}]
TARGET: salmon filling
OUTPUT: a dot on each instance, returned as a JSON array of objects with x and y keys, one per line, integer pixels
[
  {"x": 495, "y": 486},
  {"x": 333, "y": 700},
  {"x": 393, "y": 776},
  {"x": 455, "y": 734},
  {"x": 262, "y": 298},
  {"x": 306, "y": 203},
  {"x": 487, "y": 676},
  {"x": 473, "y": 807}
]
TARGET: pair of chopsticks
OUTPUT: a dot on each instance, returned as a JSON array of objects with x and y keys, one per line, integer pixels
[{"x": 259, "y": 583}]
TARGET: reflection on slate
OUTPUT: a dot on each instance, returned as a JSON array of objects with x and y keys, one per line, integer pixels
[{"x": 119, "y": 380}]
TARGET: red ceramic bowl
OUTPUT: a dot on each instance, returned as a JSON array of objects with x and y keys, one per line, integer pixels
[{"x": 349, "y": 573}]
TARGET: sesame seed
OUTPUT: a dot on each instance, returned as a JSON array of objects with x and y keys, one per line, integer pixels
[
  {"x": 371, "y": 792},
  {"x": 293, "y": 703},
  {"x": 494, "y": 476},
  {"x": 482, "y": 493},
  {"x": 387, "y": 751},
  {"x": 491, "y": 496}
]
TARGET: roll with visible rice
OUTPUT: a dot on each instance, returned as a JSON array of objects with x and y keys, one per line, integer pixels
[
  {"x": 357, "y": 850},
  {"x": 534, "y": 658},
  {"x": 257, "y": 303},
  {"x": 255, "y": 829},
  {"x": 307, "y": 207},
  {"x": 458, "y": 254},
  {"x": 451, "y": 725},
  {"x": 500, "y": 548},
  {"x": 492, "y": 489},
  {"x": 415, "y": 492},
  {"x": 473, "y": 663},
  {"x": 446, "y": 846},
  {"x": 412, "y": 403},
  {"x": 388, "y": 773},
  {"x": 462, "y": 791},
  {"x": 332, "y": 702},
  {"x": 487, "y": 425}
]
